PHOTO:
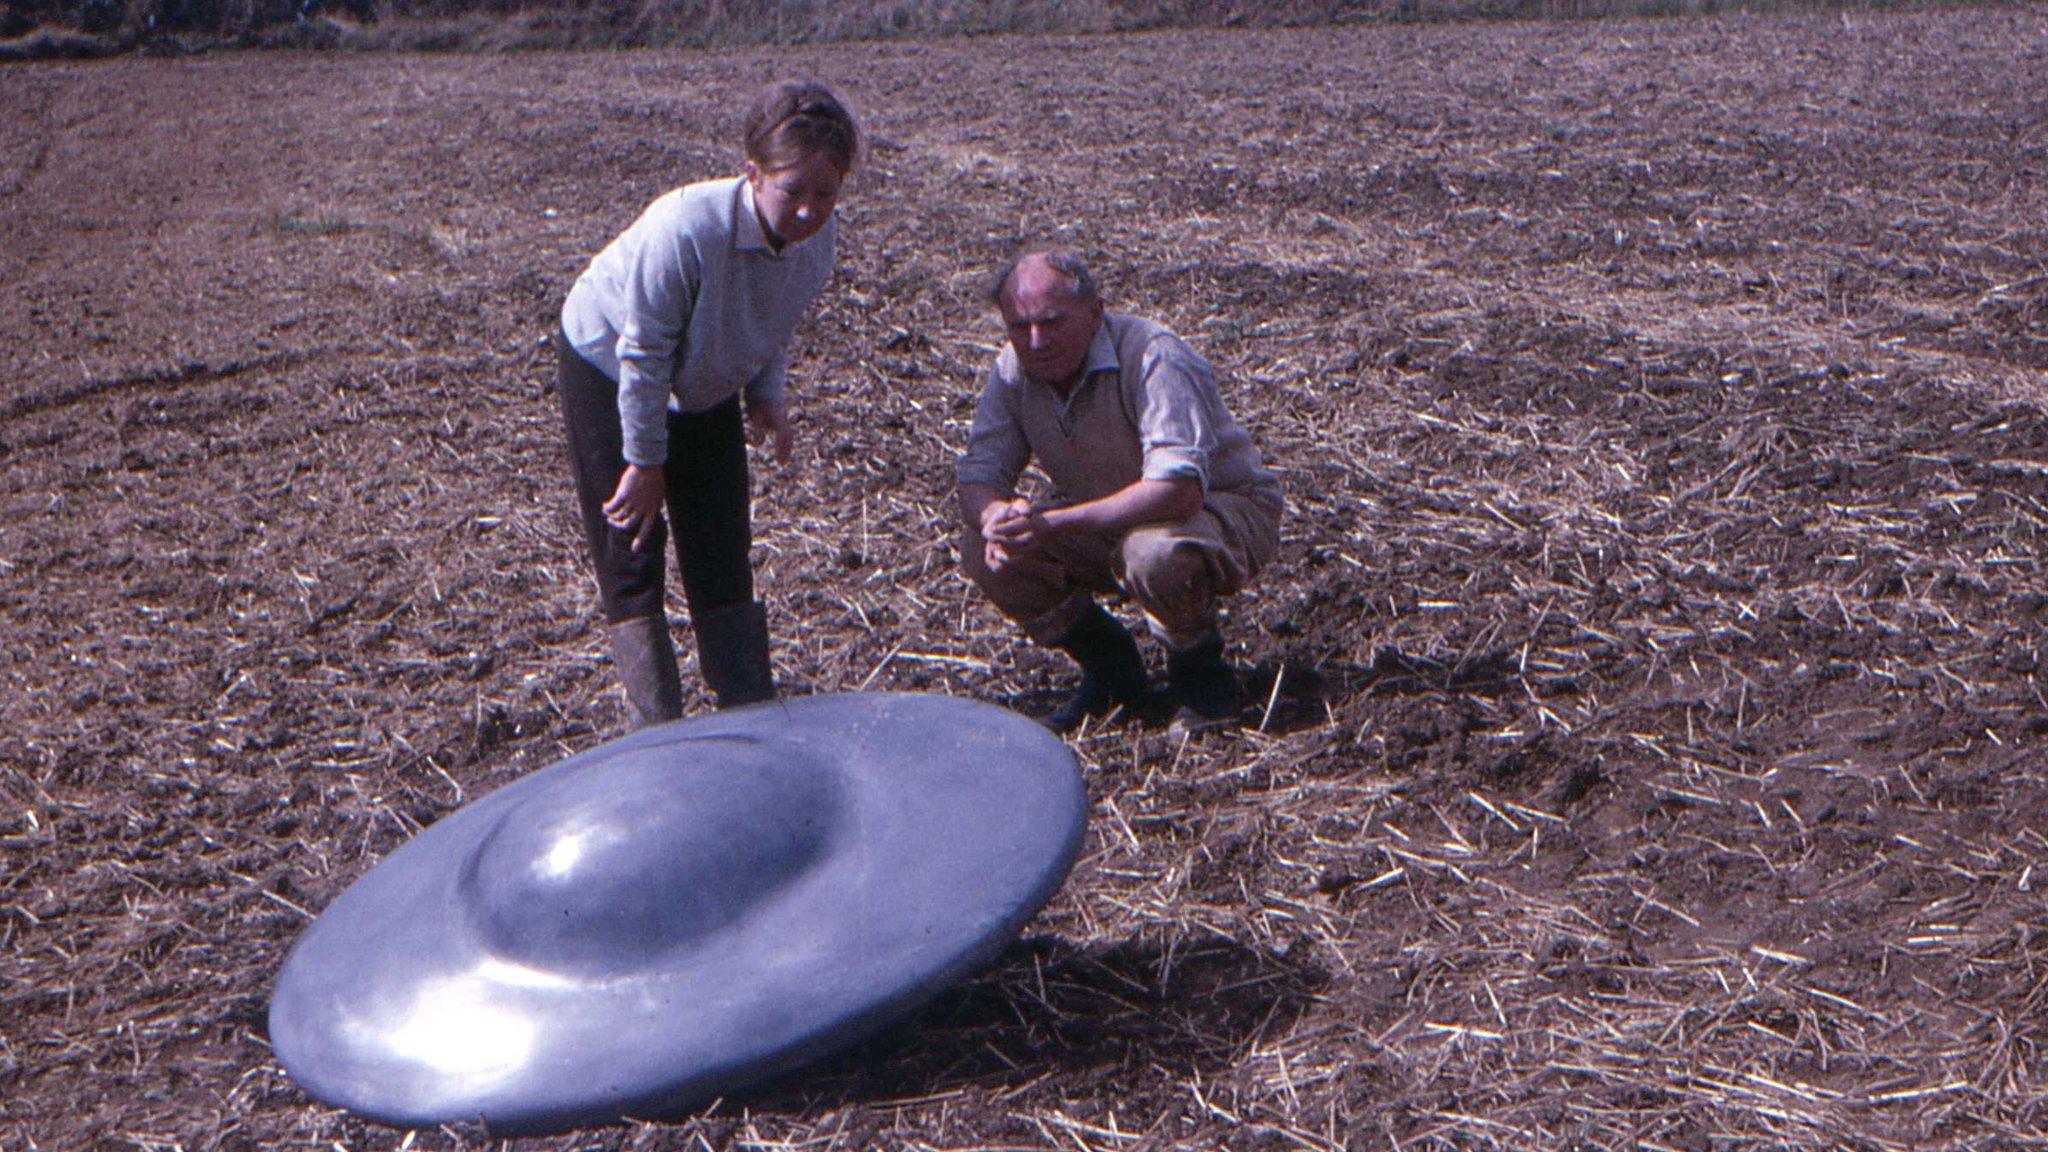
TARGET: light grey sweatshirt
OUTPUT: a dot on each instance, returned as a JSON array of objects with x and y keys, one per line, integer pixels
[{"x": 690, "y": 305}]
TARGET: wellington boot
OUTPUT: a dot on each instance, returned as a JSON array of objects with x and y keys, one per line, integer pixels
[
  {"x": 646, "y": 659},
  {"x": 732, "y": 649},
  {"x": 1112, "y": 672},
  {"x": 1203, "y": 686}
]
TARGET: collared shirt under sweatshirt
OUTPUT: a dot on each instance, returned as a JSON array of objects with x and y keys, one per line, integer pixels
[
  {"x": 1147, "y": 407},
  {"x": 691, "y": 305}
]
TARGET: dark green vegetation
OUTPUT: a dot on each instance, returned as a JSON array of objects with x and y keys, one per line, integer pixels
[
  {"x": 47, "y": 28},
  {"x": 1650, "y": 741}
]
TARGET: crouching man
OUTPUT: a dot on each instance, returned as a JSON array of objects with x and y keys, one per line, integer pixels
[{"x": 1158, "y": 494}]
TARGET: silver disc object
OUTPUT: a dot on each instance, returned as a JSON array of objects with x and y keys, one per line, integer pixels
[{"x": 680, "y": 913}]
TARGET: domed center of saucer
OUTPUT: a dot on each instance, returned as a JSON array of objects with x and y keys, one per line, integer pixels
[{"x": 615, "y": 864}]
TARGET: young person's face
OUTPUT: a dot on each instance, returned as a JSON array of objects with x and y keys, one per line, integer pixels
[
  {"x": 795, "y": 202},
  {"x": 1047, "y": 325}
]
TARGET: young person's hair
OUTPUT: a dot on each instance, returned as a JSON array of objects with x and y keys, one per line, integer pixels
[
  {"x": 795, "y": 120},
  {"x": 1068, "y": 264}
]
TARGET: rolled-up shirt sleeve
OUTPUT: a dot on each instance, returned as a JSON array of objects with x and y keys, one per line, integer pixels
[
  {"x": 660, "y": 291},
  {"x": 1176, "y": 426},
  {"x": 996, "y": 449}
]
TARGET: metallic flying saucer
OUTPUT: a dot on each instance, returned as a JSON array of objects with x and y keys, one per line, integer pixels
[{"x": 679, "y": 914}]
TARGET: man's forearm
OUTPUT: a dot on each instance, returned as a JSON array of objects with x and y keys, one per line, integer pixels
[
  {"x": 1145, "y": 502},
  {"x": 974, "y": 499}
]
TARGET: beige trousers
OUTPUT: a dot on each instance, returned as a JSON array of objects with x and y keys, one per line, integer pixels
[{"x": 1176, "y": 572}]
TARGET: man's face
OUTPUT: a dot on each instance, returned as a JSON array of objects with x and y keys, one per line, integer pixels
[
  {"x": 1047, "y": 326},
  {"x": 795, "y": 202}
]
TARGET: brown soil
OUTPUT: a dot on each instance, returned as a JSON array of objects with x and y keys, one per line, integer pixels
[{"x": 1649, "y": 751}]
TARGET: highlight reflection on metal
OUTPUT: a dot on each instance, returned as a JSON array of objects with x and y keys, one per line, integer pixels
[{"x": 684, "y": 912}]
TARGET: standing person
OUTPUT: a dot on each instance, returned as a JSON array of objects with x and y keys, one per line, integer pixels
[
  {"x": 677, "y": 331},
  {"x": 1158, "y": 494}
]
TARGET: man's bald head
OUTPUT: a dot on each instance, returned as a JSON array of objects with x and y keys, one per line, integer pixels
[
  {"x": 1062, "y": 262},
  {"x": 1050, "y": 314}
]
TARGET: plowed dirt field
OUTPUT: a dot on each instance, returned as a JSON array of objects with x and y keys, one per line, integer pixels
[{"x": 1649, "y": 743}]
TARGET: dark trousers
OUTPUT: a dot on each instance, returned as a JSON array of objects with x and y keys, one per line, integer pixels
[{"x": 708, "y": 509}]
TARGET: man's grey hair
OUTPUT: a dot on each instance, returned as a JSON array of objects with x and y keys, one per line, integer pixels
[{"x": 1064, "y": 261}]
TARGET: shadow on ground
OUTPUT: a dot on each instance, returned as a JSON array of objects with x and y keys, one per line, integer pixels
[{"x": 1180, "y": 1008}]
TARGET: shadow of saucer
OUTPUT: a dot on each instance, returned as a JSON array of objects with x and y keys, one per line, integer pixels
[{"x": 1047, "y": 1007}]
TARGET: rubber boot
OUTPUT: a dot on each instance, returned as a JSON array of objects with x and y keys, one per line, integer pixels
[
  {"x": 732, "y": 649},
  {"x": 1112, "y": 671},
  {"x": 1203, "y": 686},
  {"x": 646, "y": 659}
]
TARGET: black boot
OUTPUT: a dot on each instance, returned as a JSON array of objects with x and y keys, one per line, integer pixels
[
  {"x": 646, "y": 659},
  {"x": 732, "y": 649},
  {"x": 1203, "y": 686},
  {"x": 1112, "y": 671}
]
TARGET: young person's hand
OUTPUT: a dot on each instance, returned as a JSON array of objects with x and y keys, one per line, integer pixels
[
  {"x": 771, "y": 422},
  {"x": 636, "y": 506}
]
